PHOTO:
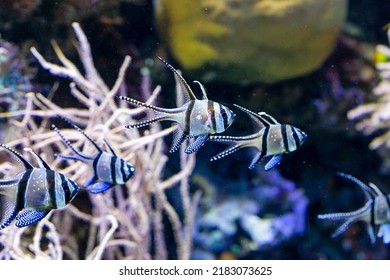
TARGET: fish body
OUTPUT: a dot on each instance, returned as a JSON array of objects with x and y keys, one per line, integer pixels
[
  {"x": 272, "y": 140},
  {"x": 198, "y": 118},
  {"x": 33, "y": 192},
  {"x": 108, "y": 169},
  {"x": 375, "y": 212}
]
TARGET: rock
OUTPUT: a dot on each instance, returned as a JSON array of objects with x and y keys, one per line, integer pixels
[{"x": 243, "y": 41}]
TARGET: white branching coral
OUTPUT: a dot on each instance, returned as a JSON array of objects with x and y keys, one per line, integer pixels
[
  {"x": 374, "y": 117},
  {"x": 125, "y": 222}
]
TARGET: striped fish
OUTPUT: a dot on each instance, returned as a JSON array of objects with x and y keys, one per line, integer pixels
[
  {"x": 108, "y": 169},
  {"x": 33, "y": 193},
  {"x": 375, "y": 212},
  {"x": 272, "y": 140},
  {"x": 196, "y": 118}
]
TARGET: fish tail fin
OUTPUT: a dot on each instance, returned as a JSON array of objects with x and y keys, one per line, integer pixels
[
  {"x": 140, "y": 104},
  {"x": 80, "y": 156},
  {"x": 227, "y": 152},
  {"x": 147, "y": 122},
  {"x": 362, "y": 214}
]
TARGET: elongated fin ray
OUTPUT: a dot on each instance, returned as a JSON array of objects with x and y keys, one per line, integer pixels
[
  {"x": 223, "y": 138},
  {"x": 81, "y": 131},
  {"x": 18, "y": 156},
  {"x": 41, "y": 162},
  {"x": 29, "y": 217},
  {"x": 67, "y": 142},
  {"x": 197, "y": 144},
  {"x": 262, "y": 118},
  {"x": 227, "y": 152},
  {"x": 183, "y": 82},
  {"x": 349, "y": 217},
  {"x": 146, "y": 122}
]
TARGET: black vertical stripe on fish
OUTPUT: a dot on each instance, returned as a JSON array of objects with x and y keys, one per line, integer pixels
[
  {"x": 295, "y": 135},
  {"x": 65, "y": 187},
  {"x": 51, "y": 185},
  {"x": 113, "y": 169},
  {"x": 122, "y": 168},
  {"x": 22, "y": 189},
  {"x": 224, "y": 117},
  {"x": 283, "y": 129},
  {"x": 187, "y": 121},
  {"x": 95, "y": 164},
  {"x": 211, "y": 111},
  {"x": 264, "y": 144},
  {"x": 372, "y": 222}
]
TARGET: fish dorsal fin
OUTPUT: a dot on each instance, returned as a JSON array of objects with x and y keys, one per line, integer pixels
[
  {"x": 81, "y": 131},
  {"x": 188, "y": 91},
  {"x": 258, "y": 117},
  {"x": 41, "y": 162},
  {"x": 202, "y": 88},
  {"x": 370, "y": 192},
  {"x": 18, "y": 156},
  {"x": 109, "y": 148},
  {"x": 267, "y": 118},
  {"x": 376, "y": 190}
]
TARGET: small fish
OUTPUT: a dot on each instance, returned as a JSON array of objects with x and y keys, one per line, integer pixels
[
  {"x": 196, "y": 118},
  {"x": 272, "y": 140},
  {"x": 34, "y": 192},
  {"x": 375, "y": 212},
  {"x": 108, "y": 169}
]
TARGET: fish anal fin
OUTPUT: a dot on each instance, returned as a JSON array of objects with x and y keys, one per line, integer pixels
[
  {"x": 30, "y": 216},
  {"x": 197, "y": 144},
  {"x": 179, "y": 138},
  {"x": 8, "y": 210},
  {"x": 256, "y": 160}
]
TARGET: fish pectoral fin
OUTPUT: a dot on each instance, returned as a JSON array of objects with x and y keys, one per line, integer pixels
[
  {"x": 275, "y": 160},
  {"x": 179, "y": 138},
  {"x": 99, "y": 187},
  {"x": 8, "y": 211},
  {"x": 89, "y": 182},
  {"x": 30, "y": 216},
  {"x": 197, "y": 144}
]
